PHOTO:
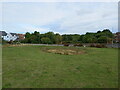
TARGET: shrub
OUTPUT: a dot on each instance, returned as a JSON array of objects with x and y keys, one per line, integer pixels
[
  {"x": 92, "y": 45},
  {"x": 98, "y": 45},
  {"x": 78, "y": 45},
  {"x": 66, "y": 45}
]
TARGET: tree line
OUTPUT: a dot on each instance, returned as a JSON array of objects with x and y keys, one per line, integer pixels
[{"x": 104, "y": 36}]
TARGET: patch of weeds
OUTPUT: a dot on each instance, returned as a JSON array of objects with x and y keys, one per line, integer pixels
[
  {"x": 78, "y": 68},
  {"x": 61, "y": 81},
  {"x": 45, "y": 72},
  {"x": 8, "y": 85},
  {"x": 108, "y": 69},
  {"x": 54, "y": 75}
]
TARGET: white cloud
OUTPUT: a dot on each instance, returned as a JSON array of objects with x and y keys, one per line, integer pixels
[
  {"x": 74, "y": 17},
  {"x": 60, "y": 1},
  {"x": 92, "y": 19},
  {"x": 41, "y": 30},
  {"x": 32, "y": 13}
]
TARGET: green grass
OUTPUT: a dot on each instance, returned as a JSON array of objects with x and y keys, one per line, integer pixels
[{"x": 30, "y": 67}]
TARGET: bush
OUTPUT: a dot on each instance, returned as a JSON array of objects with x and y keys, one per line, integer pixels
[
  {"x": 104, "y": 46},
  {"x": 18, "y": 43},
  {"x": 98, "y": 45},
  {"x": 66, "y": 45},
  {"x": 78, "y": 45},
  {"x": 92, "y": 45}
]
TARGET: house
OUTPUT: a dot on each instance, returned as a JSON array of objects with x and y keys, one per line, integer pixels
[
  {"x": 117, "y": 37},
  {"x": 3, "y": 34},
  {"x": 14, "y": 36},
  {"x": 8, "y": 36},
  {"x": 21, "y": 37}
]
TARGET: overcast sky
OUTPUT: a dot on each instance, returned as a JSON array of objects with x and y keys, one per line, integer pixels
[{"x": 61, "y": 17}]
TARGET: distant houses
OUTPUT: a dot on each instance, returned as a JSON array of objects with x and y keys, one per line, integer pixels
[
  {"x": 117, "y": 37},
  {"x": 11, "y": 36},
  {"x": 21, "y": 37}
]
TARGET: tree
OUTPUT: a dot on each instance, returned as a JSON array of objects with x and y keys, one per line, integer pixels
[
  {"x": 58, "y": 39},
  {"x": 67, "y": 38},
  {"x": 104, "y": 36},
  {"x": 33, "y": 39},
  {"x": 36, "y": 33},
  {"x": 27, "y": 35},
  {"x": 102, "y": 39},
  {"x": 46, "y": 40},
  {"x": 75, "y": 38},
  {"x": 98, "y": 31},
  {"x": 107, "y": 33},
  {"x": 89, "y": 38},
  {"x": 80, "y": 39},
  {"x": 51, "y": 36}
]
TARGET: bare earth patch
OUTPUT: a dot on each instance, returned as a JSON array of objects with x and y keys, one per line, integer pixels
[{"x": 66, "y": 51}]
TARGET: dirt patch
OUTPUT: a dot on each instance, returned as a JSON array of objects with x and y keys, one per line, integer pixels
[
  {"x": 14, "y": 45},
  {"x": 65, "y": 51}
]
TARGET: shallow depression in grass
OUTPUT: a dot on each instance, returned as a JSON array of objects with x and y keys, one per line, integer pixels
[{"x": 64, "y": 51}]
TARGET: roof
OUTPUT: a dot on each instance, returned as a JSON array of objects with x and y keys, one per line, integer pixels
[
  {"x": 118, "y": 33},
  {"x": 3, "y": 33},
  {"x": 22, "y": 35},
  {"x": 13, "y": 34}
]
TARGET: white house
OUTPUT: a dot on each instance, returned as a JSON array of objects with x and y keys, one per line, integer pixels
[
  {"x": 14, "y": 36},
  {"x": 9, "y": 36}
]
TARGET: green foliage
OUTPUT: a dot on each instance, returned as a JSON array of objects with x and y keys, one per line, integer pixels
[
  {"x": 66, "y": 37},
  {"x": 104, "y": 36},
  {"x": 58, "y": 39},
  {"x": 102, "y": 39},
  {"x": 75, "y": 38},
  {"x": 46, "y": 40},
  {"x": 80, "y": 39},
  {"x": 88, "y": 38},
  {"x": 36, "y": 33},
  {"x": 51, "y": 36},
  {"x": 27, "y": 35}
]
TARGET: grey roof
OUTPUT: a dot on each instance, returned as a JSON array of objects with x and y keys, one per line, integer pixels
[
  {"x": 3, "y": 33},
  {"x": 13, "y": 34}
]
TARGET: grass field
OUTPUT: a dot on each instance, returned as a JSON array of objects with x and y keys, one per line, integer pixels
[{"x": 31, "y": 67}]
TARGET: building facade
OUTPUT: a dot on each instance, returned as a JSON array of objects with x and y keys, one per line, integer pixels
[{"x": 8, "y": 36}]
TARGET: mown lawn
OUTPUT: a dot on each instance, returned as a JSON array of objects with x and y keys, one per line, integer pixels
[{"x": 30, "y": 67}]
